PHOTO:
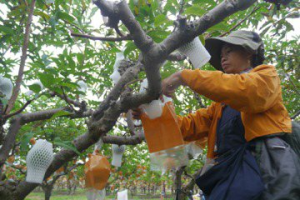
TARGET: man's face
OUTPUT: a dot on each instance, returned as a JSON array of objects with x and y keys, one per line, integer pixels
[{"x": 234, "y": 59}]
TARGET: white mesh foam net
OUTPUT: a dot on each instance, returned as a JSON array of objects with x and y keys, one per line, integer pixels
[
  {"x": 118, "y": 152},
  {"x": 38, "y": 160}
]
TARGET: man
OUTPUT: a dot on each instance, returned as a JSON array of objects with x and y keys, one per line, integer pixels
[{"x": 243, "y": 123}]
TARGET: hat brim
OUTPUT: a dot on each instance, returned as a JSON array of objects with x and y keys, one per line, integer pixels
[{"x": 214, "y": 47}]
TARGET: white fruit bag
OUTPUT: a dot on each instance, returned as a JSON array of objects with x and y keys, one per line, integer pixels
[
  {"x": 6, "y": 87},
  {"x": 118, "y": 152},
  {"x": 94, "y": 194},
  {"x": 115, "y": 76},
  {"x": 123, "y": 195},
  {"x": 196, "y": 52}
]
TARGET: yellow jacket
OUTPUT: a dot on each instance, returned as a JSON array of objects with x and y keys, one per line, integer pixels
[{"x": 257, "y": 95}]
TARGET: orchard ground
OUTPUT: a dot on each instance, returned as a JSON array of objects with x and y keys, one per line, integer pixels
[{"x": 80, "y": 195}]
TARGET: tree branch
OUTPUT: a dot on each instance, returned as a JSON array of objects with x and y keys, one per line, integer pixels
[
  {"x": 67, "y": 99},
  {"x": 115, "y": 93},
  {"x": 176, "y": 57},
  {"x": 242, "y": 21},
  {"x": 122, "y": 11},
  {"x": 9, "y": 140},
  {"x": 119, "y": 32},
  {"x": 16, "y": 90},
  {"x": 188, "y": 32},
  {"x": 127, "y": 37},
  {"x": 122, "y": 140},
  {"x": 196, "y": 95},
  {"x": 296, "y": 115},
  {"x": 130, "y": 123},
  {"x": 64, "y": 173},
  {"x": 21, "y": 110}
]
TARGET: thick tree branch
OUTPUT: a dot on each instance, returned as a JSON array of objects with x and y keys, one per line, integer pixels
[
  {"x": 121, "y": 140},
  {"x": 16, "y": 90},
  {"x": 40, "y": 115},
  {"x": 9, "y": 140},
  {"x": 122, "y": 11},
  {"x": 188, "y": 32},
  {"x": 130, "y": 74},
  {"x": 127, "y": 37},
  {"x": 176, "y": 57}
]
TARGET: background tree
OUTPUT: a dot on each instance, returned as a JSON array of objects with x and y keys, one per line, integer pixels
[{"x": 55, "y": 42}]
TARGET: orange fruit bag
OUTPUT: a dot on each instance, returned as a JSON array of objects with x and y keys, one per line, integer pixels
[
  {"x": 163, "y": 132},
  {"x": 97, "y": 171}
]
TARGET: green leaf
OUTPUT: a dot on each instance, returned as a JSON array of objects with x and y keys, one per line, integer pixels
[
  {"x": 72, "y": 64},
  {"x": 4, "y": 101},
  {"x": 130, "y": 46},
  {"x": 25, "y": 140},
  {"x": 47, "y": 80},
  {"x": 6, "y": 30},
  {"x": 65, "y": 16},
  {"x": 202, "y": 39},
  {"x": 219, "y": 27},
  {"x": 69, "y": 85},
  {"x": 265, "y": 30},
  {"x": 160, "y": 19},
  {"x": 94, "y": 10},
  {"x": 195, "y": 10},
  {"x": 158, "y": 35},
  {"x": 36, "y": 88},
  {"x": 59, "y": 114},
  {"x": 41, "y": 14},
  {"x": 80, "y": 58},
  {"x": 66, "y": 145}
]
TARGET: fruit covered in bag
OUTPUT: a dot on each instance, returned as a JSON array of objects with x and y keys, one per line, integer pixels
[
  {"x": 97, "y": 171},
  {"x": 162, "y": 132}
]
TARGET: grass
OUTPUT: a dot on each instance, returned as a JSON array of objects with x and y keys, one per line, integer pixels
[{"x": 79, "y": 195}]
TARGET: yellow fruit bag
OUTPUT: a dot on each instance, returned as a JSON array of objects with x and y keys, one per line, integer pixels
[
  {"x": 164, "y": 139},
  {"x": 97, "y": 171},
  {"x": 162, "y": 132}
]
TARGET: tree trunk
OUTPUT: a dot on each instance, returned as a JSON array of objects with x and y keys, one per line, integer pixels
[
  {"x": 48, "y": 191},
  {"x": 179, "y": 195}
]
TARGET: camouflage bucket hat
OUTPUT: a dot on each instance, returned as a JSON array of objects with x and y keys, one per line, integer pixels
[{"x": 249, "y": 40}]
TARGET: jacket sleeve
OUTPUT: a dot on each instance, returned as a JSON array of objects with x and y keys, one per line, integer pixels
[
  {"x": 196, "y": 125},
  {"x": 254, "y": 92}
]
